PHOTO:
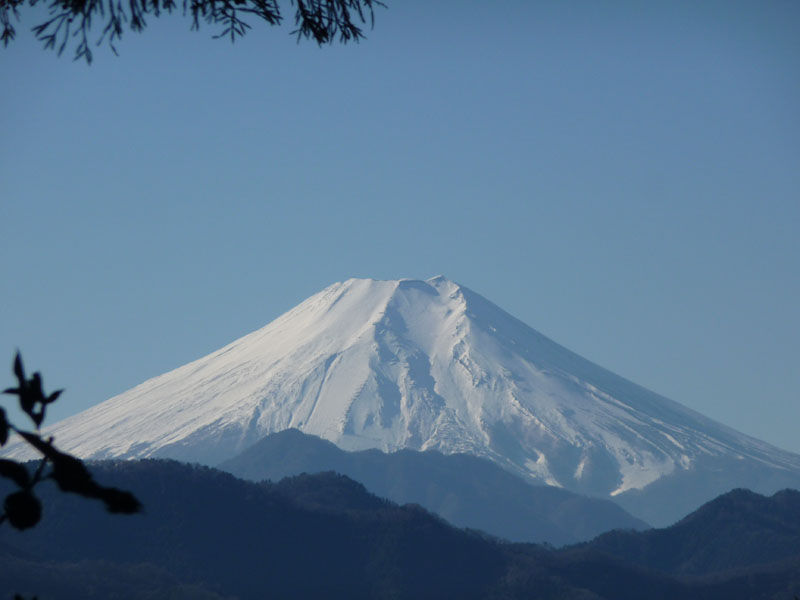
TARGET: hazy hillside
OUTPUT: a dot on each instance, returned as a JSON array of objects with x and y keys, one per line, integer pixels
[{"x": 466, "y": 490}]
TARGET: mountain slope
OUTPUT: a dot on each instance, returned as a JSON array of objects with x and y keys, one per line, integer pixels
[
  {"x": 320, "y": 536},
  {"x": 736, "y": 530},
  {"x": 465, "y": 490},
  {"x": 432, "y": 365},
  {"x": 210, "y": 530}
]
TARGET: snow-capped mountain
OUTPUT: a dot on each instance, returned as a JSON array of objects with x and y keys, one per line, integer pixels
[{"x": 424, "y": 364}]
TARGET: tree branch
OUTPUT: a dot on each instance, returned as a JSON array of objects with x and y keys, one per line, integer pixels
[{"x": 70, "y": 21}]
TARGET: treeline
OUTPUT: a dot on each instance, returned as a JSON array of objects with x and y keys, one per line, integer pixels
[{"x": 321, "y": 536}]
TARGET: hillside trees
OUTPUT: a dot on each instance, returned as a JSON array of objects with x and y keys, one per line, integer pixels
[{"x": 71, "y": 21}]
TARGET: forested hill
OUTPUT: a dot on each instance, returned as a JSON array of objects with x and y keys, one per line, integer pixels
[
  {"x": 740, "y": 529},
  {"x": 206, "y": 535}
]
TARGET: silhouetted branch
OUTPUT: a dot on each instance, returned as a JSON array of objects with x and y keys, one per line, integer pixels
[
  {"x": 21, "y": 508},
  {"x": 323, "y": 21}
]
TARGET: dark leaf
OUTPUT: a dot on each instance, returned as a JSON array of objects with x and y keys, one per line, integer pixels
[
  {"x": 23, "y": 509},
  {"x": 4, "y": 427},
  {"x": 14, "y": 471},
  {"x": 120, "y": 501},
  {"x": 71, "y": 475},
  {"x": 19, "y": 370},
  {"x": 54, "y": 396},
  {"x": 32, "y": 399},
  {"x": 36, "y": 385},
  {"x": 26, "y": 403},
  {"x": 38, "y": 416},
  {"x": 46, "y": 448}
]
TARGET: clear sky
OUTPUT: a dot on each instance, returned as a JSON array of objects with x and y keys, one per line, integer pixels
[{"x": 622, "y": 176}]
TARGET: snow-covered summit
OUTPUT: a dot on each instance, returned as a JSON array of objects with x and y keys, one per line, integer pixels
[{"x": 415, "y": 364}]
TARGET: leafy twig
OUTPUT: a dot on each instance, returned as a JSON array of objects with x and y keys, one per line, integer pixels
[{"x": 22, "y": 509}]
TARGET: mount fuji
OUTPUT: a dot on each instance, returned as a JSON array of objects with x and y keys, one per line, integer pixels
[{"x": 433, "y": 365}]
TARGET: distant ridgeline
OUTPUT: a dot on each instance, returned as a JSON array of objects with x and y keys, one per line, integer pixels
[
  {"x": 207, "y": 535},
  {"x": 466, "y": 490}
]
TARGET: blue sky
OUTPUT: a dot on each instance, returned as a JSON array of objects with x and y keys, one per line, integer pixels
[{"x": 622, "y": 176}]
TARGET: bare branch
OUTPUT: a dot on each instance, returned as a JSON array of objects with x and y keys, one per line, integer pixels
[{"x": 70, "y": 21}]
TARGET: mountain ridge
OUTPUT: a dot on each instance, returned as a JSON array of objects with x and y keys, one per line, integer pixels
[
  {"x": 466, "y": 490},
  {"x": 214, "y": 535},
  {"x": 740, "y": 529},
  {"x": 431, "y": 365}
]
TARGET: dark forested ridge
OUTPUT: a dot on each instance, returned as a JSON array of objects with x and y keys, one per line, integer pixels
[
  {"x": 739, "y": 529},
  {"x": 207, "y": 535},
  {"x": 93, "y": 580},
  {"x": 466, "y": 490},
  {"x": 237, "y": 538}
]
